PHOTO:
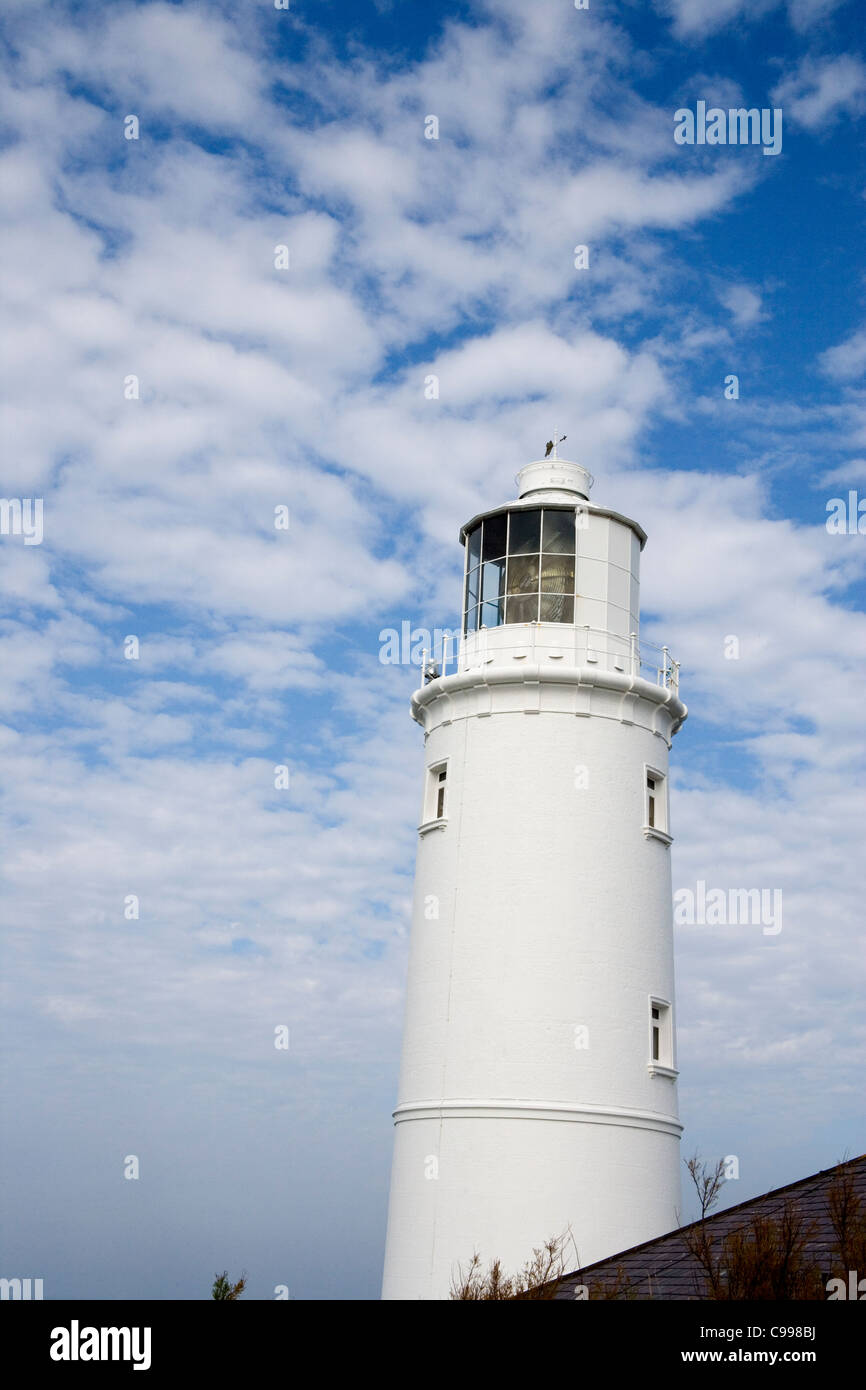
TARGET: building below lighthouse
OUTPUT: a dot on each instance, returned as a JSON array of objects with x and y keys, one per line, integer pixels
[{"x": 537, "y": 1091}]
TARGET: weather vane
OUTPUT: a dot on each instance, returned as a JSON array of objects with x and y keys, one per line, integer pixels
[{"x": 553, "y": 444}]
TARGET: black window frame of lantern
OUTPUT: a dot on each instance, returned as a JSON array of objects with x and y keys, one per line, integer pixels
[{"x": 492, "y": 576}]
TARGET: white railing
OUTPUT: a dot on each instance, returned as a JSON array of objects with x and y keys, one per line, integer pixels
[
  {"x": 434, "y": 663},
  {"x": 578, "y": 645}
]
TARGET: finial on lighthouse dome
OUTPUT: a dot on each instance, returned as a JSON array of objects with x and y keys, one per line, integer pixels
[{"x": 554, "y": 478}]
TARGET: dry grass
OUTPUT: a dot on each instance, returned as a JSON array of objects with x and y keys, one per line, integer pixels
[
  {"x": 848, "y": 1219},
  {"x": 540, "y": 1277},
  {"x": 768, "y": 1257}
]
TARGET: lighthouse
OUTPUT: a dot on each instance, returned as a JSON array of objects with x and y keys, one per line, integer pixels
[{"x": 537, "y": 1094}]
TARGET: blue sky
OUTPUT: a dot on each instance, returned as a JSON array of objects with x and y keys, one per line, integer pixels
[{"x": 304, "y": 387}]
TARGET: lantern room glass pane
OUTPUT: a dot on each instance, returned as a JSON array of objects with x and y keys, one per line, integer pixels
[
  {"x": 557, "y": 574},
  {"x": 523, "y": 609},
  {"x": 557, "y": 608},
  {"x": 523, "y": 574},
  {"x": 494, "y": 537},
  {"x": 492, "y": 579},
  {"x": 473, "y": 546},
  {"x": 525, "y": 533},
  {"x": 558, "y": 535},
  {"x": 520, "y": 568}
]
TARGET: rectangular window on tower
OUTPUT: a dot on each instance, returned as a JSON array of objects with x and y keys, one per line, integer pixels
[
  {"x": 655, "y": 821},
  {"x": 436, "y": 795},
  {"x": 440, "y": 794},
  {"x": 661, "y": 1051}
]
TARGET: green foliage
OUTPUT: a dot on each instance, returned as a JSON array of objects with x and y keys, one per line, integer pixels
[{"x": 222, "y": 1288}]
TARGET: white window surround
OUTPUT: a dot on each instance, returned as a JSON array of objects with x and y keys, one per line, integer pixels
[
  {"x": 662, "y": 1041},
  {"x": 656, "y": 1069},
  {"x": 426, "y": 826},
  {"x": 436, "y": 794},
  {"x": 660, "y": 830}
]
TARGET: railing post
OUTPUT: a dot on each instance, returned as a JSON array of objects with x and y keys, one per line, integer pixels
[
  {"x": 635, "y": 659},
  {"x": 666, "y": 658}
]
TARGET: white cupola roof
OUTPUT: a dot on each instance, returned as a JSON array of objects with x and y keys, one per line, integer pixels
[{"x": 554, "y": 479}]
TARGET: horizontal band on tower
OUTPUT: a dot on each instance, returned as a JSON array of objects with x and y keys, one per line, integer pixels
[
  {"x": 489, "y": 674},
  {"x": 537, "y": 1110},
  {"x": 552, "y": 689}
]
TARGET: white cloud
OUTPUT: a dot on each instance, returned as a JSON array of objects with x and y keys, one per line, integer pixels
[
  {"x": 846, "y": 361},
  {"x": 245, "y": 372},
  {"x": 821, "y": 90},
  {"x": 268, "y": 660},
  {"x": 744, "y": 305},
  {"x": 805, "y": 14},
  {"x": 693, "y": 19},
  {"x": 854, "y": 471},
  {"x": 156, "y": 59}
]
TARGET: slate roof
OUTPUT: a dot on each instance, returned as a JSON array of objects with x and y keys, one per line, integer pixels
[{"x": 664, "y": 1268}]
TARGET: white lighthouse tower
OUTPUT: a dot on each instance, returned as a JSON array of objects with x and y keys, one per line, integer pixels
[{"x": 538, "y": 1082}]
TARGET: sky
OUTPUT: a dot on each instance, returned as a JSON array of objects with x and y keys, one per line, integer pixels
[{"x": 173, "y": 389}]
